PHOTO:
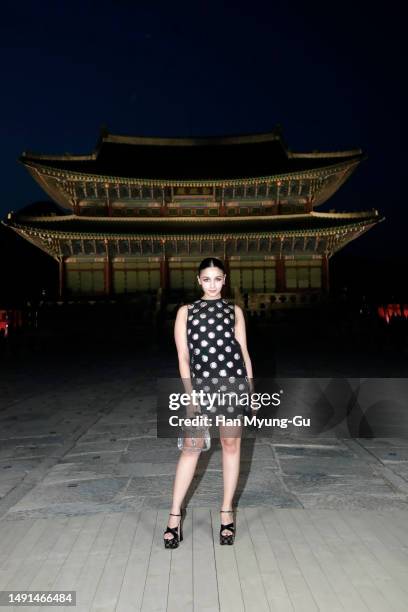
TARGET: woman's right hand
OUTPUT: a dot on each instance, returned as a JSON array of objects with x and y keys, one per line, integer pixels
[{"x": 192, "y": 411}]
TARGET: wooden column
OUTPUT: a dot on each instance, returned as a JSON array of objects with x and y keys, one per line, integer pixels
[
  {"x": 325, "y": 273},
  {"x": 164, "y": 208},
  {"x": 108, "y": 275},
  {"x": 309, "y": 206},
  {"x": 108, "y": 203},
  {"x": 222, "y": 209},
  {"x": 61, "y": 264},
  {"x": 164, "y": 273},
  {"x": 228, "y": 279},
  {"x": 280, "y": 275}
]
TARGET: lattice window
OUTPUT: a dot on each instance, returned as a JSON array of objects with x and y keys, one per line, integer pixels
[{"x": 303, "y": 275}]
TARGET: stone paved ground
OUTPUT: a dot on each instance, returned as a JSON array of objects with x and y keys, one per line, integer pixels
[{"x": 79, "y": 456}]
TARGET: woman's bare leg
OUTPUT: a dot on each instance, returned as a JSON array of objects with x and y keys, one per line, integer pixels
[
  {"x": 231, "y": 454},
  {"x": 186, "y": 466}
]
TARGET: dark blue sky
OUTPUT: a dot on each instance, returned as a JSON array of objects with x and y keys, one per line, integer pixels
[{"x": 331, "y": 74}]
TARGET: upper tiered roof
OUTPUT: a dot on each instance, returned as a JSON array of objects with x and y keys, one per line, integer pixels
[{"x": 184, "y": 159}]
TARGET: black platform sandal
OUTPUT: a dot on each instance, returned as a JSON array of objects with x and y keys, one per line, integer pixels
[
  {"x": 229, "y": 538},
  {"x": 176, "y": 531}
]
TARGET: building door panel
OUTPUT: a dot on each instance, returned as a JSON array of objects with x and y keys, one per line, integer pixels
[
  {"x": 154, "y": 279},
  {"x": 86, "y": 281},
  {"x": 131, "y": 284},
  {"x": 132, "y": 278},
  {"x": 259, "y": 279},
  {"x": 184, "y": 275},
  {"x": 73, "y": 281},
  {"x": 270, "y": 279},
  {"x": 235, "y": 281},
  {"x": 291, "y": 278},
  {"x": 85, "y": 278},
  {"x": 247, "y": 280},
  {"x": 189, "y": 279},
  {"x": 119, "y": 281},
  {"x": 142, "y": 280},
  {"x": 316, "y": 277},
  {"x": 303, "y": 277},
  {"x": 98, "y": 282},
  {"x": 176, "y": 279}
]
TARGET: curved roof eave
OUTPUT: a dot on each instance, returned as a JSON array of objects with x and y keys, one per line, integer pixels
[
  {"x": 296, "y": 174},
  {"x": 211, "y": 160},
  {"x": 365, "y": 220}
]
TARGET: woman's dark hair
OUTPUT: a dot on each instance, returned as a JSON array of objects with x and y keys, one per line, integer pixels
[{"x": 211, "y": 262}]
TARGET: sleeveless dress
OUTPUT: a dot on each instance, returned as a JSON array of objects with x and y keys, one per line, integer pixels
[{"x": 216, "y": 361}]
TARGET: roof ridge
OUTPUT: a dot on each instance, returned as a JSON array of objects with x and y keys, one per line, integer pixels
[{"x": 223, "y": 139}]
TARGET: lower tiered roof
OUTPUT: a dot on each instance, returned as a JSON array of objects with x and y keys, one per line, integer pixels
[{"x": 79, "y": 226}]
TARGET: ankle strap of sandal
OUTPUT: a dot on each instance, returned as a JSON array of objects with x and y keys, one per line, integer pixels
[{"x": 230, "y": 527}]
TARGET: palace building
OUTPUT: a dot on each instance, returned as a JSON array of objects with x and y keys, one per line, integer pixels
[{"x": 139, "y": 214}]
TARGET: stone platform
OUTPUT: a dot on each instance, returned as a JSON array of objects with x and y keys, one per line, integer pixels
[{"x": 85, "y": 488}]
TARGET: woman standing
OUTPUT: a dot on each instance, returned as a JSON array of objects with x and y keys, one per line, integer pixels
[{"x": 212, "y": 351}]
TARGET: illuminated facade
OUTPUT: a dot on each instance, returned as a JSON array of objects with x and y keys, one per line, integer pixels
[{"x": 141, "y": 213}]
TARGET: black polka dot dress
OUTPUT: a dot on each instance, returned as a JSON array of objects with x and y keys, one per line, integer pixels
[{"x": 216, "y": 361}]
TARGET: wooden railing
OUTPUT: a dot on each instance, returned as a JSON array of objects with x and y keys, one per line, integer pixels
[{"x": 266, "y": 302}]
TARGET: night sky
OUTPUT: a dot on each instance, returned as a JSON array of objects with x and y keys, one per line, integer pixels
[{"x": 331, "y": 74}]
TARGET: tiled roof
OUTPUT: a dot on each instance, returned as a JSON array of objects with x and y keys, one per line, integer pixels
[
  {"x": 71, "y": 224},
  {"x": 234, "y": 157}
]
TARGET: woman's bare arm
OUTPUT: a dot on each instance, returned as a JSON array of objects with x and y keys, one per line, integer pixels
[
  {"x": 240, "y": 335},
  {"x": 180, "y": 337}
]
